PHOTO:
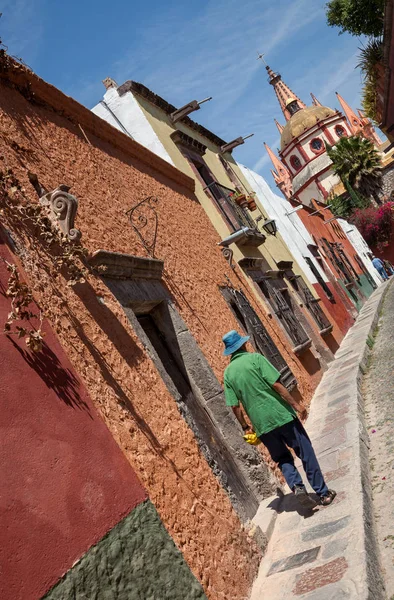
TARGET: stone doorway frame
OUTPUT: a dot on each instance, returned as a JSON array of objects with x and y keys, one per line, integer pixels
[{"x": 137, "y": 285}]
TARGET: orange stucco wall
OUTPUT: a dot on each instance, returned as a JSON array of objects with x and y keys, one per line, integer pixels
[{"x": 42, "y": 133}]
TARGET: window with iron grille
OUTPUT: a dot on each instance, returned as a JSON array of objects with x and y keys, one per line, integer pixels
[
  {"x": 319, "y": 278},
  {"x": 365, "y": 271},
  {"x": 312, "y": 304},
  {"x": 277, "y": 294},
  {"x": 259, "y": 336},
  {"x": 224, "y": 198}
]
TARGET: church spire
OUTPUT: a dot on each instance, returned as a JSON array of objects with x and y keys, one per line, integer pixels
[
  {"x": 279, "y": 126},
  {"x": 315, "y": 101},
  {"x": 353, "y": 119},
  {"x": 280, "y": 174},
  {"x": 289, "y": 102},
  {"x": 359, "y": 123}
]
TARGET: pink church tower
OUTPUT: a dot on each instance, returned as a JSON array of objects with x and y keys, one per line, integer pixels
[
  {"x": 303, "y": 171},
  {"x": 359, "y": 123},
  {"x": 280, "y": 174}
]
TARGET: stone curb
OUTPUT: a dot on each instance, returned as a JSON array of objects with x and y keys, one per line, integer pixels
[
  {"x": 344, "y": 378},
  {"x": 338, "y": 431}
]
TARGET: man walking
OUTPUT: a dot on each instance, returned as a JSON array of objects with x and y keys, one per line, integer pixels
[
  {"x": 379, "y": 266},
  {"x": 251, "y": 381}
]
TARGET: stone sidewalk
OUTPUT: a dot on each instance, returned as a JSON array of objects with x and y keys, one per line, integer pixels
[{"x": 331, "y": 553}]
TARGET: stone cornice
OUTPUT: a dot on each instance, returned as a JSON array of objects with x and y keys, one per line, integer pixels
[
  {"x": 116, "y": 265},
  {"x": 179, "y": 137}
]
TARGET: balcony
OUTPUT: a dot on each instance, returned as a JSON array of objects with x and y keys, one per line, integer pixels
[{"x": 235, "y": 216}]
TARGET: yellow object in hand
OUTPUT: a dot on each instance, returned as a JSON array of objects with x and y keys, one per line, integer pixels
[{"x": 251, "y": 438}]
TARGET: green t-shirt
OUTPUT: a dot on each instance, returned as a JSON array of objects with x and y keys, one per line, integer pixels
[{"x": 248, "y": 380}]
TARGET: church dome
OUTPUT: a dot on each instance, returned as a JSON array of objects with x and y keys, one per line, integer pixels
[{"x": 301, "y": 121}]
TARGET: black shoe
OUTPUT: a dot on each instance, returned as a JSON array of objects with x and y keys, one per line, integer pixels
[
  {"x": 303, "y": 497},
  {"x": 328, "y": 498}
]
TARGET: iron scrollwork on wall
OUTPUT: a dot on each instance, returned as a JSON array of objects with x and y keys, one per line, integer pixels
[
  {"x": 228, "y": 255},
  {"x": 144, "y": 220}
]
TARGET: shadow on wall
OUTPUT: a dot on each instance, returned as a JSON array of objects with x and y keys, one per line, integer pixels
[
  {"x": 310, "y": 363},
  {"x": 128, "y": 350},
  {"x": 331, "y": 343},
  {"x": 62, "y": 381},
  {"x": 33, "y": 122}
]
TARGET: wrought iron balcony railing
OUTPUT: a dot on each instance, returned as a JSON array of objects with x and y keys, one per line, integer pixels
[{"x": 235, "y": 216}]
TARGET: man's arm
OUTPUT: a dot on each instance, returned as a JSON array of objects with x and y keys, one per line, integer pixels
[
  {"x": 287, "y": 397},
  {"x": 237, "y": 410}
]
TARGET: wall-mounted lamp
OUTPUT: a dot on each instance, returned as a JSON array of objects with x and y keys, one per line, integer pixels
[
  {"x": 237, "y": 142},
  {"x": 182, "y": 112},
  {"x": 270, "y": 226}
]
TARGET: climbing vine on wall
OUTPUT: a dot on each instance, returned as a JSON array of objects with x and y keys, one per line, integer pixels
[
  {"x": 45, "y": 251},
  {"x": 19, "y": 212},
  {"x": 19, "y": 320}
]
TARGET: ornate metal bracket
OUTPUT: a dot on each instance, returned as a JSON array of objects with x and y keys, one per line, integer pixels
[
  {"x": 228, "y": 255},
  {"x": 144, "y": 220},
  {"x": 62, "y": 207},
  {"x": 62, "y": 211}
]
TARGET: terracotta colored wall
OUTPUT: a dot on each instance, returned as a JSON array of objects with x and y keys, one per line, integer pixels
[
  {"x": 122, "y": 380},
  {"x": 64, "y": 482},
  {"x": 340, "y": 317}
]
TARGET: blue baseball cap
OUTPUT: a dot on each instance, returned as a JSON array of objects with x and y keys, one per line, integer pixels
[{"x": 233, "y": 342}]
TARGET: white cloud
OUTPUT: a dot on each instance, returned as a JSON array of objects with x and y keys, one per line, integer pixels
[{"x": 216, "y": 53}]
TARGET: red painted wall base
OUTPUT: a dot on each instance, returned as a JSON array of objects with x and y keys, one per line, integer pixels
[{"x": 64, "y": 481}]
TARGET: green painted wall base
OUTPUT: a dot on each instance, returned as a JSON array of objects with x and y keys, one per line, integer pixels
[
  {"x": 136, "y": 560},
  {"x": 363, "y": 285}
]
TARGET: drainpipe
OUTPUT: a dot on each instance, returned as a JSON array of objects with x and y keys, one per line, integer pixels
[{"x": 234, "y": 237}]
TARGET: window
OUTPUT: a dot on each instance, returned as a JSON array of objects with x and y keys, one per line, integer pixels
[
  {"x": 312, "y": 304},
  {"x": 340, "y": 131},
  {"x": 234, "y": 216},
  {"x": 277, "y": 295},
  {"x": 260, "y": 338},
  {"x": 319, "y": 278},
  {"x": 295, "y": 162},
  {"x": 316, "y": 145}
]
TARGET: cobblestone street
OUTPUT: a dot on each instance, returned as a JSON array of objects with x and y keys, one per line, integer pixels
[{"x": 330, "y": 553}]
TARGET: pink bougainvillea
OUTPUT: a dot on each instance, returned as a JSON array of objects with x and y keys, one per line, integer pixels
[{"x": 375, "y": 224}]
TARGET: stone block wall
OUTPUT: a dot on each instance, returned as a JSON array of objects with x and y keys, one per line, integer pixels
[{"x": 388, "y": 181}]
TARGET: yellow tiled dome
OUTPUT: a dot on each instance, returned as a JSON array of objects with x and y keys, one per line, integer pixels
[{"x": 303, "y": 120}]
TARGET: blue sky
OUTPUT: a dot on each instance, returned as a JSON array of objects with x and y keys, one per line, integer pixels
[{"x": 190, "y": 50}]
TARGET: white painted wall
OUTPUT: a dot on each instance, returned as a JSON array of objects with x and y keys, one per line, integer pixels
[
  {"x": 311, "y": 192},
  {"x": 124, "y": 113},
  {"x": 293, "y": 231},
  {"x": 361, "y": 247},
  {"x": 328, "y": 179},
  {"x": 343, "y": 122}
]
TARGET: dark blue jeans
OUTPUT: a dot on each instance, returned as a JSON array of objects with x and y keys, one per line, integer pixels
[
  {"x": 293, "y": 435},
  {"x": 382, "y": 273}
]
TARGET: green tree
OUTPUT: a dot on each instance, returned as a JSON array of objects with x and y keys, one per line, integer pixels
[
  {"x": 357, "y": 162},
  {"x": 357, "y": 17},
  {"x": 344, "y": 206},
  {"x": 371, "y": 65}
]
